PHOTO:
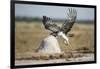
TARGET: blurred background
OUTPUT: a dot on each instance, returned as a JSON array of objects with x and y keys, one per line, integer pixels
[
  {"x": 55, "y": 12},
  {"x": 29, "y": 30}
]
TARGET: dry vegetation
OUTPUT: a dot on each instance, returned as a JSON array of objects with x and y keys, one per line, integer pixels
[{"x": 28, "y": 37}]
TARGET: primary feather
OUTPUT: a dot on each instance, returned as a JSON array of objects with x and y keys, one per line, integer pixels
[
  {"x": 50, "y": 25},
  {"x": 66, "y": 27}
]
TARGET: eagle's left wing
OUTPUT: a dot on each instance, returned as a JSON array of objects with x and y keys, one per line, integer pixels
[{"x": 49, "y": 25}]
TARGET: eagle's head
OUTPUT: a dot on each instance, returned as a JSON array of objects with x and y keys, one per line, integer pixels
[{"x": 66, "y": 40}]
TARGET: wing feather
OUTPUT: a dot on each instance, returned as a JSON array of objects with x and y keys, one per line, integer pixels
[
  {"x": 67, "y": 25},
  {"x": 50, "y": 25}
]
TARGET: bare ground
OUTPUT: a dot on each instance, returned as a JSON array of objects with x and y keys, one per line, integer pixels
[{"x": 85, "y": 57}]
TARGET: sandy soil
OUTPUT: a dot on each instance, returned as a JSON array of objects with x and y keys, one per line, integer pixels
[{"x": 86, "y": 57}]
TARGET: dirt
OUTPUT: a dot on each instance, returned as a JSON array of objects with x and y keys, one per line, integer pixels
[{"x": 86, "y": 57}]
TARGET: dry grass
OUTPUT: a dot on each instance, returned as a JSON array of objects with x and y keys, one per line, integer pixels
[{"x": 28, "y": 37}]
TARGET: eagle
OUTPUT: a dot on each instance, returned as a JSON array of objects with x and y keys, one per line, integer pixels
[{"x": 64, "y": 28}]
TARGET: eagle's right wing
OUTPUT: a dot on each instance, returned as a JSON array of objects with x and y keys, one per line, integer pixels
[{"x": 48, "y": 24}]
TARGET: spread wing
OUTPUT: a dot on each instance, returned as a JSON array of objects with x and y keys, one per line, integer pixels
[
  {"x": 49, "y": 25},
  {"x": 66, "y": 27}
]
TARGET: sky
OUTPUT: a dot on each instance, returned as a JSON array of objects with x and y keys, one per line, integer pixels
[{"x": 30, "y": 10}]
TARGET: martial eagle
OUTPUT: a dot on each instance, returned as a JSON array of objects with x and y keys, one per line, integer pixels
[{"x": 65, "y": 28}]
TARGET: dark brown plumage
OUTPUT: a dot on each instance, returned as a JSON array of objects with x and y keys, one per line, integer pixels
[{"x": 66, "y": 26}]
